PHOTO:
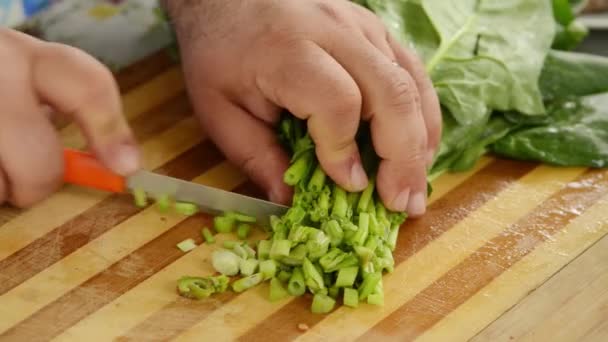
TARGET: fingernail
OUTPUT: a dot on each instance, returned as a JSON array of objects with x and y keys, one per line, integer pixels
[
  {"x": 358, "y": 178},
  {"x": 417, "y": 204},
  {"x": 400, "y": 202},
  {"x": 125, "y": 161}
]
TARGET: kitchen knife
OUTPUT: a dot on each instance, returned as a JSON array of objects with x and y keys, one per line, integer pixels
[{"x": 84, "y": 169}]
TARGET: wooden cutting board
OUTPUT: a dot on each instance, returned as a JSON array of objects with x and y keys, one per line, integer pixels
[{"x": 510, "y": 250}]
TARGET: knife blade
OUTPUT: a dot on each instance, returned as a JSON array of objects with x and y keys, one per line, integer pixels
[{"x": 83, "y": 169}]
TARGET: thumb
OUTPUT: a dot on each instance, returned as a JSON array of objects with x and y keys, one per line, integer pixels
[{"x": 247, "y": 142}]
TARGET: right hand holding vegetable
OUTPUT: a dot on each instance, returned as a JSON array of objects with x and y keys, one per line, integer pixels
[
  {"x": 37, "y": 76},
  {"x": 331, "y": 62}
]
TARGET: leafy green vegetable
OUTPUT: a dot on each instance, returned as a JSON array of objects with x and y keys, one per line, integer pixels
[
  {"x": 569, "y": 74},
  {"x": 575, "y": 133}
]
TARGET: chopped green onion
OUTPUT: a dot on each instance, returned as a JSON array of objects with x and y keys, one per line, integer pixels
[
  {"x": 298, "y": 170},
  {"x": 277, "y": 291},
  {"x": 223, "y": 224},
  {"x": 377, "y": 297},
  {"x": 317, "y": 180},
  {"x": 185, "y": 208},
  {"x": 247, "y": 282},
  {"x": 295, "y": 215},
  {"x": 347, "y": 276},
  {"x": 264, "y": 249},
  {"x": 280, "y": 248},
  {"x": 240, "y": 251},
  {"x": 334, "y": 231},
  {"x": 296, "y": 285},
  {"x": 268, "y": 268},
  {"x": 334, "y": 292},
  {"x": 248, "y": 266},
  {"x": 225, "y": 262},
  {"x": 317, "y": 245},
  {"x": 208, "y": 236},
  {"x": 195, "y": 287},
  {"x": 392, "y": 238},
  {"x": 361, "y": 234},
  {"x": 299, "y": 234},
  {"x": 322, "y": 304},
  {"x": 163, "y": 203},
  {"x": 243, "y": 231},
  {"x": 351, "y": 297},
  {"x": 284, "y": 276},
  {"x": 296, "y": 256},
  {"x": 366, "y": 197},
  {"x": 249, "y": 250},
  {"x": 336, "y": 259},
  {"x": 141, "y": 198},
  {"x": 312, "y": 276},
  {"x": 240, "y": 217},
  {"x": 187, "y": 245},
  {"x": 369, "y": 284},
  {"x": 340, "y": 204},
  {"x": 230, "y": 244}
]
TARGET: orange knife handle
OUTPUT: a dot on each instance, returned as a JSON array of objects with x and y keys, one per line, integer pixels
[{"x": 84, "y": 169}]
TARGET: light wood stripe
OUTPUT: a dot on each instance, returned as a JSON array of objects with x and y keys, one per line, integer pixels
[
  {"x": 442, "y": 216},
  {"x": 72, "y": 201},
  {"x": 98, "y": 255},
  {"x": 215, "y": 325},
  {"x": 95, "y": 221},
  {"x": 527, "y": 274},
  {"x": 112, "y": 320},
  {"x": 492, "y": 259},
  {"x": 426, "y": 266}
]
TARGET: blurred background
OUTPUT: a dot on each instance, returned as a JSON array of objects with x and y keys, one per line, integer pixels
[{"x": 120, "y": 32}]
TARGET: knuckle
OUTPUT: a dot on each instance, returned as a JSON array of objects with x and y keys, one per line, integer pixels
[
  {"x": 346, "y": 103},
  {"x": 403, "y": 94},
  {"x": 333, "y": 12}
]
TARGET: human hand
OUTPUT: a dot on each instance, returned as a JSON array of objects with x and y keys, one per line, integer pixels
[
  {"x": 37, "y": 76},
  {"x": 328, "y": 61}
]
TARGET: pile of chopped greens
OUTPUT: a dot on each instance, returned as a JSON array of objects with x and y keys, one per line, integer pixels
[{"x": 509, "y": 84}]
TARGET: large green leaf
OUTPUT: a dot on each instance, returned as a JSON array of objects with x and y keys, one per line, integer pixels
[
  {"x": 569, "y": 74},
  {"x": 576, "y": 134},
  {"x": 483, "y": 55}
]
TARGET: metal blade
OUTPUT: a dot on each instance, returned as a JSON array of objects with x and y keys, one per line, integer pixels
[{"x": 210, "y": 200}]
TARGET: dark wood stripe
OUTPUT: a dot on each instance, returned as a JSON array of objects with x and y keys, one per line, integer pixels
[
  {"x": 143, "y": 71},
  {"x": 120, "y": 278},
  {"x": 8, "y": 213},
  {"x": 491, "y": 260},
  {"x": 442, "y": 215},
  {"x": 45, "y": 251}
]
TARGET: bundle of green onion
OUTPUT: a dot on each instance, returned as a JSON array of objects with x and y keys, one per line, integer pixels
[{"x": 330, "y": 243}]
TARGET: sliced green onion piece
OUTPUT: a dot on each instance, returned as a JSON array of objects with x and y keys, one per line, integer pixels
[
  {"x": 243, "y": 231},
  {"x": 230, "y": 244},
  {"x": 340, "y": 204},
  {"x": 248, "y": 267},
  {"x": 322, "y": 304},
  {"x": 226, "y": 262},
  {"x": 280, "y": 248},
  {"x": 163, "y": 203},
  {"x": 208, "y": 236},
  {"x": 312, "y": 276},
  {"x": 366, "y": 197},
  {"x": 240, "y": 217},
  {"x": 195, "y": 287},
  {"x": 141, "y": 199},
  {"x": 334, "y": 292},
  {"x": 284, "y": 275},
  {"x": 249, "y": 250},
  {"x": 277, "y": 291},
  {"x": 377, "y": 297},
  {"x": 186, "y": 208},
  {"x": 347, "y": 276},
  {"x": 247, "y": 282},
  {"x": 369, "y": 284},
  {"x": 351, "y": 297},
  {"x": 264, "y": 249},
  {"x": 296, "y": 286},
  {"x": 268, "y": 268},
  {"x": 317, "y": 180},
  {"x": 296, "y": 256},
  {"x": 223, "y": 224},
  {"x": 187, "y": 245}
]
